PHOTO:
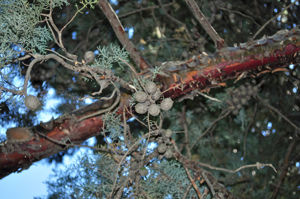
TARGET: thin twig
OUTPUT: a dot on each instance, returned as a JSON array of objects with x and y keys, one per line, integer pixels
[
  {"x": 223, "y": 115},
  {"x": 209, "y": 184},
  {"x": 219, "y": 42},
  {"x": 270, "y": 20},
  {"x": 208, "y": 97},
  {"x": 258, "y": 165},
  {"x": 175, "y": 20},
  {"x": 284, "y": 168},
  {"x": 69, "y": 145},
  {"x": 16, "y": 92},
  {"x": 280, "y": 114},
  {"x": 239, "y": 13},
  {"x": 121, "y": 35},
  {"x": 247, "y": 130},
  {"x": 186, "y": 132},
  {"x": 186, "y": 193},
  {"x": 193, "y": 182}
]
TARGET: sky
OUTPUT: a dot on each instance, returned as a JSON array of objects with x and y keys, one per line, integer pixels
[{"x": 30, "y": 183}]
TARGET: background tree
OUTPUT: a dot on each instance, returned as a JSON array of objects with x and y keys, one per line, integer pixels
[{"x": 177, "y": 113}]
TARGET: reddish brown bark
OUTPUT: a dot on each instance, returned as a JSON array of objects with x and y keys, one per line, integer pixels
[{"x": 180, "y": 81}]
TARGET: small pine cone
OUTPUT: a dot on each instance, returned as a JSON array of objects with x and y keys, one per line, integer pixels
[
  {"x": 254, "y": 90},
  {"x": 239, "y": 106},
  {"x": 235, "y": 100},
  {"x": 235, "y": 111},
  {"x": 141, "y": 108},
  {"x": 162, "y": 148},
  {"x": 32, "y": 102},
  {"x": 168, "y": 133},
  {"x": 169, "y": 153},
  {"x": 140, "y": 96},
  {"x": 244, "y": 101},
  {"x": 143, "y": 172},
  {"x": 134, "y": 165},
  {"x": 89, "y": 57},
  {"x": 155, "y": 96},
  {"x": 150, "y": 87},
  {"x": 243, "y": 91},
  {"x": 154, "y": 110},
  {"x": 166, "y": 104}
]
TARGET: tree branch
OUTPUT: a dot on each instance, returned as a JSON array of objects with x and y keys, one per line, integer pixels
[
  {"x": 219, "y": 42},
  {"x": 121, "y": 35},
  {"x": 178, "y": 80}
]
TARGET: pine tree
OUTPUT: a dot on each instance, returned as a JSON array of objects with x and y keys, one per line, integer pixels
[{"x": 188, "y": 102}]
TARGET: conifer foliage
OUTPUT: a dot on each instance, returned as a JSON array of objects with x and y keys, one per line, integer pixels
[{"x": 191, "y": 99}]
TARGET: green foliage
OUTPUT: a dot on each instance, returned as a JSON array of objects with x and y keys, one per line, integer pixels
[
  {"x": 112, "y": 125},
  {"x": 90, "y": 177},
  {"x": 110, "y": 55},
  {"x": 168, "y": 180},
  {"x": 20, "y": 26}
]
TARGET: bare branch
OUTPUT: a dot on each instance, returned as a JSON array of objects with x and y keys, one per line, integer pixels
[
  {"x": 121, "y": 35},
  {"x": 219, "y": 42},
  {"x": 273, "y": 18},
  {"x": 280, "y": 114},
  {"x": 193, "y": 183}
]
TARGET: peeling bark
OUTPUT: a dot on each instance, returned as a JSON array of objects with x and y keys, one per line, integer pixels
[{"x": 266, "y": 55}]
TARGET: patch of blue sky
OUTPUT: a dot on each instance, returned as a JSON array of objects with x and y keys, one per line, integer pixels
[
  {"x": 74, "y": 35},
  {"x": 18, "y": 81},
  {"x": 31, "y": 182},
  {"x": 265, "y": 133},
  {"x": 287, "y": 73},
  {"x": 279, "y": 18},
  {"x": 17, "y": 48},
  {"x": 130, "y": 31},
  {"x": 8, "y": 124},
  {"x": 295, "y": 89},
  {"x": 108, "y": 140},
  {"x": 152, "y": 145},
  {"x": 50, "y": 104},
  {"x": 22, "y": 110},
  {"x": 269, "y": 125},
  {"x": 131, "y": 119},
  {"x": 114, "y": 2},
  {"x": 291, "y": 66},
  {"x": 51, "y": 92},
  {"x": 88, "y": 100},
  {"x": 96, "y": 52},
  {"x": 275, "y": 10}
]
